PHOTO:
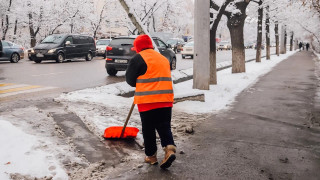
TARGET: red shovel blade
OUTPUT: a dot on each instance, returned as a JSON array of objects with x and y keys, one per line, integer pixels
[{"x": 115, "y": 132}]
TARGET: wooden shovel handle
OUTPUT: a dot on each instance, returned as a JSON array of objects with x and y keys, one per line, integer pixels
[{"x": 128, "y": 117}]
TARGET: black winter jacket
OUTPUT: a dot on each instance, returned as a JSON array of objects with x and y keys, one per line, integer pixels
[{"x": 137, "y": 67}]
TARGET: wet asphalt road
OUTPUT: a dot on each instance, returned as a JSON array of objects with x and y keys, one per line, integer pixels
[{"x": 271, "y": 132}]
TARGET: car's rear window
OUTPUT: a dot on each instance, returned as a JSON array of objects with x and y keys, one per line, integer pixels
[
  {"x": 103, "y": 42},
  {"x": 121, "y": 42},
  {"x": 189, "y": 44}
]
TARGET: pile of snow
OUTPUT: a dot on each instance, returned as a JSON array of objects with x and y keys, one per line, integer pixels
[{"x": 21, "y": 153}]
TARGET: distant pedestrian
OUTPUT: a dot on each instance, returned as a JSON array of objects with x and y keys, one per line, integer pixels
[
  {"x": 307, "y": 46},
  {"x": 149, "y": 72},
  {"x": 303, "y": 46},
  {"x": 300, "y": 46}
]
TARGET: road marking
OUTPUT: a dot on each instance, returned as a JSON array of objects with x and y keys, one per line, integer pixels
[
  {"x": 18, "y": 89},
  {"x": 2, "y": 85},
  {"x": 11, "y": 89}
]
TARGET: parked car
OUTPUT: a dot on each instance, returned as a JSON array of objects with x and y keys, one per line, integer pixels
[
  {"x": 11, "y": 52},
  {"x": 224, "y": 45},
  {"x": 262, "y": 46},
  {"x": 101, "y": 45},
  {"x": 248, "y": 45},
  {"x": 176, "y": 44},
  {"x": 59, "y": 47},
  {"x": 121, "y": 50},
  {"x": 187, "y": 50}
]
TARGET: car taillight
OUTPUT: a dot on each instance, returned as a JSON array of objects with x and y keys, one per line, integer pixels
[
  {"x": 109, "y": 48},
  {"x": 108, "y": 59},
  {"x": 133, "y": 49}
]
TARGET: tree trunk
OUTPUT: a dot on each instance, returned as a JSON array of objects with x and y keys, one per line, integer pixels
[
  {"x": 267, "y": 34},
  {"x": 296, "y": 44},
  {"x": 235, "y": 25},
  {"x": 238, "y": 52},
  {"x": 291, "y": 42},
  {"x": 259, "y": 33},
  {"x": 213, "y": 48},
  {"x": 15, "y": 30},
  {"x": 213, "y": 57},
  {"x": 283, "y": 40},
  {"x": 32, "y": 33},
  {"x": 276, "y": 32},
  {"x": 6, "y": 26}
]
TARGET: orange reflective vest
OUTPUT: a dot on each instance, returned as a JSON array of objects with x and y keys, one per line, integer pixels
[{"x": 156, "y": 84}]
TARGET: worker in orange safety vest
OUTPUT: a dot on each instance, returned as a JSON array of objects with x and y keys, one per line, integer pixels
[{"x": 149, "y": 72}]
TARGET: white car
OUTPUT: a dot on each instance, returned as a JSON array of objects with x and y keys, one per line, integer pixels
[
  {"x": 187, "y": 50},
  {"x": 224, "y": 45},
  {"x": 101, "y": 46}
]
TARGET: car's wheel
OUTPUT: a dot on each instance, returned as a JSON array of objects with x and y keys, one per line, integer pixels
[
  {"x": 60, "y": 58},
  {"x": 183, "y": 56},
  {"x": 173, "y": 64},
  {"x": 191, "y": 56},
  {"x": 89, "y": 56},
  {"x": 37, "y": 61},
  {"x": 15, "y": 58},
  {"x": 112, "y": 71}
]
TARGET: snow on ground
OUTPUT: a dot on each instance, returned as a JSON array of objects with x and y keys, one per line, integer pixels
[
  {"x": 23, "y": 156},
  {"x": 29, "y": 133},
  {"x": 33, "y": 146}
]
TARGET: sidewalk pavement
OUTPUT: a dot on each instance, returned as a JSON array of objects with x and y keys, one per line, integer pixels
[{"x": 271, "y": 132}]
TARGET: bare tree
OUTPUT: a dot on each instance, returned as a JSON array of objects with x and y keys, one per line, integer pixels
[
  {"x": 267, "y": 33},
  {"x": 5, "y": 26},
  {"x": 276, "y": 32},
  {"x": 291, "y": 41},
  {"x": 259, "y": 31},
  {"x": 64, "y": 21},
  {"x": 235, "y": 24},
  {"x": 213, "y": 32},
  {"x": 34, "y": 30},
  {"x": 97, "y": 25}
]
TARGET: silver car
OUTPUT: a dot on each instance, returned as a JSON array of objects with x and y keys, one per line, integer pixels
[
  {"x": 11, "y": 52},
  {"x": 101, "y": 46}
]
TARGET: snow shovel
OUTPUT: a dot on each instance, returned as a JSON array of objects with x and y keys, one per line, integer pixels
[{"x": 122, "y": 132}]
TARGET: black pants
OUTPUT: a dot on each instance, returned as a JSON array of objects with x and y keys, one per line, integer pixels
[{"x": 160, "y": 120}]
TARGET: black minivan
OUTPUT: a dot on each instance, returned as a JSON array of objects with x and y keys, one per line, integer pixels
[
  {"x": 59, "y": 47},
  {"x": 121, "y": 50}
]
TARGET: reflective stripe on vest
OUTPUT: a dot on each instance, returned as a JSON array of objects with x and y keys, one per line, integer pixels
[
  {"x": 156, "y": 84},
  {"x": 154, "y": 79}
]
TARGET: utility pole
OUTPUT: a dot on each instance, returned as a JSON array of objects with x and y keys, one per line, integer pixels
[{"x": 201, "y": 63}]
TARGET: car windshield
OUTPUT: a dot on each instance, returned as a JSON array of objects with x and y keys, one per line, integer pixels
[
  {"x": 121, "y": 42},
  {"x": 223, "y": 43},
  {"x": 53, "y": 39},
  {"x": 103, "y": 42},
  {"x": 189, "y": 44},
  {"x": 172, "y": 41}
]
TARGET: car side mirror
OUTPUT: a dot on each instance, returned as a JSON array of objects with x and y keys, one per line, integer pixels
[
  {"x": 169, "y": 46},
  {"x": 67, "y": 43}
]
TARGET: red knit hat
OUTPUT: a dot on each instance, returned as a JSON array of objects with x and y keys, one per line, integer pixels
[{"x": 142, "y": 42}]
